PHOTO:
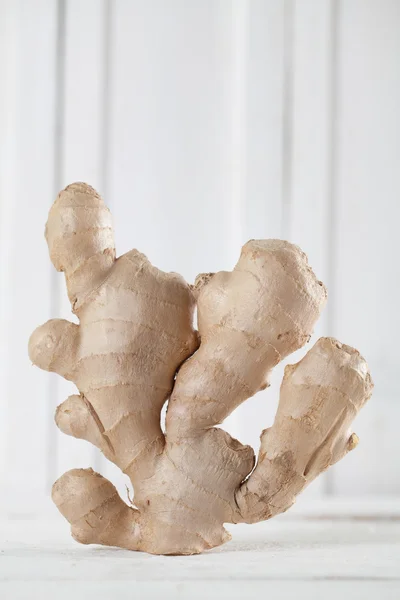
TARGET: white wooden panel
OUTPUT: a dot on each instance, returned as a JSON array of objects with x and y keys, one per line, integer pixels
[
  {"x": 261, "y": 215},
  {"x": 8, "y": 27},
  {"x": 366, "y": 230},
  {"x": 234, "y": 27},
  {"x": 8, "y": 117},
  {"x": 264, "y": 84},
  {"x": 308, "y": 220},
  {"x": 291, "y": 151},
  {"x": 82, "y": 148},
  {"x": 308, "y": 201},
  {"x": 28, "y": 146}
]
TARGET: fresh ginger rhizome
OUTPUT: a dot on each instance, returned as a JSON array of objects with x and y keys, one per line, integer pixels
[{"x": 135, "y": 348}]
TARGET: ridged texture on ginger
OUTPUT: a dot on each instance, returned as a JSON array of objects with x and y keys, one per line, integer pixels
[
  {"x": 135, "y": 329},
  {"x": 135, "y": 347},
  {"x": 261, "y": 312},
  {"x": 320, "y": 396}
]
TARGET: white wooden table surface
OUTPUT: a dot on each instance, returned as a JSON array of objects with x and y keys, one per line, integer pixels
[{"x": 331, "y": 550}]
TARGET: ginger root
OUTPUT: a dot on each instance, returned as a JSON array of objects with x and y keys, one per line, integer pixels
[{"x": 135, "y": 348}]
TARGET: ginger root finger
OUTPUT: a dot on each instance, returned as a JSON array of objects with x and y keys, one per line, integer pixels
[
  {"x": 320, "y": 396},
  {"x": 80, "y": 238},
  {"x": 249, "y": 320},
  {"x": 76, "y": 417},
  {"x": 95, "y": 510},
  {"x": 54, "y": 347}
]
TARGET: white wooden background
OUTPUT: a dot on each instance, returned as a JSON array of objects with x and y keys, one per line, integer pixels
[{"x": 204, "y": 123}]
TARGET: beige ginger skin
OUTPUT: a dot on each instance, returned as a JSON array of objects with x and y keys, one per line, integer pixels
[{"x": 135, "y": 348}]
